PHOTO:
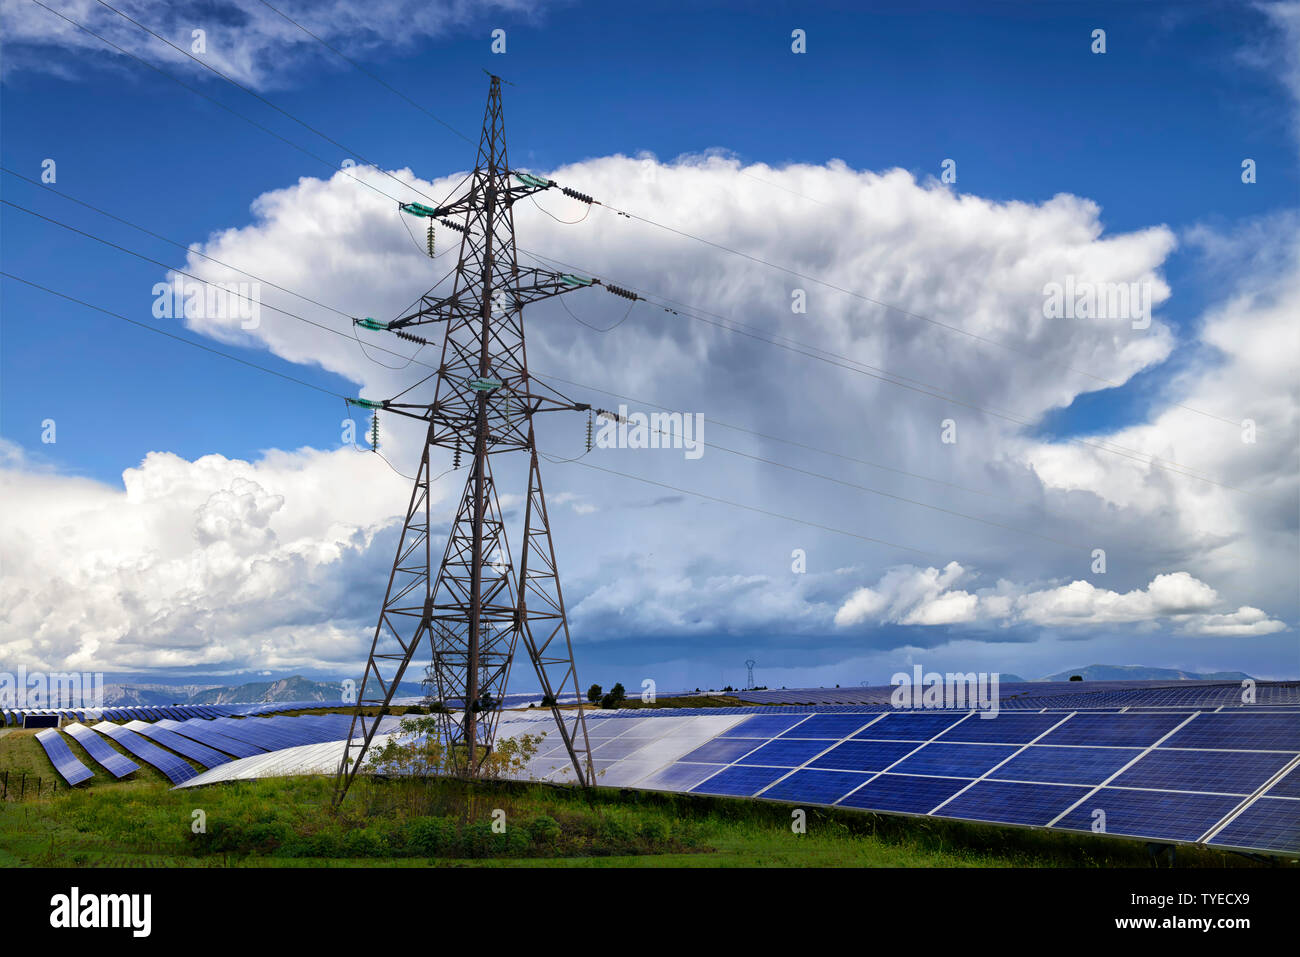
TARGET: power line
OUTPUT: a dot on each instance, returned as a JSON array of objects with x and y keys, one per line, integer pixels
[
  {"x": 899, "y": 309},
  {"x": 217, "y": 102},
  {"x": 368, "y": 73},
  {"x": 172, "y": 335},
  {"x": 258, "y": 96},
  {"x": 720, "y": 448},
  {"x": 854, "y": 365},
  {"x": 751, "y": 508},
  {"x": 411, "y": 358},
  {"x": 1121, "y": 451}
]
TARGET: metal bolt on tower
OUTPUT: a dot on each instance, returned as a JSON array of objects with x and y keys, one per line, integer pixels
[{"x": 471, "y": 606}]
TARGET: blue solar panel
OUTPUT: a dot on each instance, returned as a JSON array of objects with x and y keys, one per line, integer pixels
[
  {"x": 903, "y": 792},
  {"x": 61, "y": 756},
  {"x": 1114, "y": 730},
  {"x": 911, "y": 726},
  {"x": 1289, "y": 786},
  {"x": 1271, "y": 824},
  {"x": 955, "y": 760},
  {"x": 1007, "y": 803},
  {"x": 114, "y": 762},
  {"x": 738, "y": 781},
  {"x": 1006, "y": 728},
  {"x": 864, "y": 755},
  {"x": 722, "y": 750},
  {"x": 193, "y": 750},
  {"x": 785, "y": 753},
  {"x": 833, "y": 726},
  {"x": 202, "y": 731},
  {"x": 816, "y": 787},
  {"x": 1241, "y": 731},
  {"x": 763, "y": 726},
  {"x": 678, "y": 777},
  {"x": 1229, "y": 772},
  {"x": 1172, "y": 816},
  {"x": 169, "y": 764},
  {"x": 1065, "y": 765}
]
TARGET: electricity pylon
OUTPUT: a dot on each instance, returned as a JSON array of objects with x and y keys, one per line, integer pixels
[{"x": 472, "y": 608}]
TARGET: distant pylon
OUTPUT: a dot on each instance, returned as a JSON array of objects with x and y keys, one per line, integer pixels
[{"x": 749, "y": 664}]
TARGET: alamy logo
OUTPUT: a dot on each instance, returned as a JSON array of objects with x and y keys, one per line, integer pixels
[
  {"x": 658, "y": 430},
  {"x": 1098, "y": 300},
  {"x": 74, "y": 909},
  {"x": 948, "y": 690},
  {"x": 59, "y": 689}
]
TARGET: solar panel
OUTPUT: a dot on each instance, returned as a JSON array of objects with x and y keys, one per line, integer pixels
[
  {"x": 1289, "y": 786},
  {"x": 114, "y": 762},
  {"x": 911, "y": 726},
  {"x": 1065, "y": 765},
  {"x": 61, "y": 756},
  {"x": 865, "y": 755},
  {"x": 1240, "y": 730},
  {"x": 1271, "y": 824},
  {"x": 785, "y": 753},
  {"x": 903, "y": 792},
  {"x": 1173, "y": 815},
  {"x": 679, "y": 776},
  {"x": 816, "y": 787},
  {"x": 954, "y": 760},
  {"x": 202, "y": 731},
  {"x": 1006, "y": 728},
  {"x": 169, "y": 764},
  {"x": 1012, "y": 803},
  {"x": 1114, "y": 730},
  {"x": 1226, "y": 772},
  {"x": 193, "y": 750},
  {"x": 738, "y": 781}
]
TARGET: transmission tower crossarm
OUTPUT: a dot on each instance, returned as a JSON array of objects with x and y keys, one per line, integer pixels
[{"x": 533, "y": 285}]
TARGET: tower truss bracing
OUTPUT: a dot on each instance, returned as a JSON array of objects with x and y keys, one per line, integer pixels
[{"x": 472, "y": 609}]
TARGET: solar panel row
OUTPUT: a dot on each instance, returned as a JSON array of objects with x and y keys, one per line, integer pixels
[
  {"x": 176, "y": 769},
  {"x": 61, "y": 756},
  {"x": 115, "y": 763},
  {"x": 1184, "y": 776}
]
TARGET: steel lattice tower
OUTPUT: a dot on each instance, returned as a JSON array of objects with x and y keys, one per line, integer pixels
[{"x": 471, "y": 606}]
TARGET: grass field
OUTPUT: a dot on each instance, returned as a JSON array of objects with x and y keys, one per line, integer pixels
[{"x": 289, "y": 822}]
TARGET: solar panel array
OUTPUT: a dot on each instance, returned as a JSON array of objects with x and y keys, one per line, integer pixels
[
  {"x": 1227, "y": 779},
  {"x": 1036, "y": 695},
  {"x": 109, "y": 758},
  {"x": 61, "y": 756},
  {"x": 14, "y": 716},
  {"x": 176, "y": 769}
]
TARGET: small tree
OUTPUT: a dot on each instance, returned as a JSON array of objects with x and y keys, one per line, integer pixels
[
  {"x": 548, "y": 701},
  {"x": 593, "y": 693},
  {"x": 618, "y": 693}
]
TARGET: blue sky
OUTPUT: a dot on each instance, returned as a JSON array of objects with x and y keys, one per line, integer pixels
[{"x": 1154, "y": 131}]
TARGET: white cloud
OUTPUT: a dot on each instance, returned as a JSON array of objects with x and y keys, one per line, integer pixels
[
  {"x": 922, "y": 596},
  {"x": 221, "y": 562},
  {"x": 243, "y": 38}
]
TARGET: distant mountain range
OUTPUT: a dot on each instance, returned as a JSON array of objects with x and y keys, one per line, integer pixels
[
  {"x": 299, "y": 688},
  {"x": 1141, "y": 673},
  {"x": 296, "y": 688}
]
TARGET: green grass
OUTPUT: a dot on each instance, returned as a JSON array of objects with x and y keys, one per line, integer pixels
[
  {"x": 20, "y": 752},
  {"x": 288, "y": 822}
]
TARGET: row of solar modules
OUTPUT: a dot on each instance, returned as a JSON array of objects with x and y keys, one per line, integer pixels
[
  {"x": 14, "y": 716},
  {"x": 1229, "y": 779},
  {"x": 207, "y": 743},
  {"x": 1035, "y": 695}
]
